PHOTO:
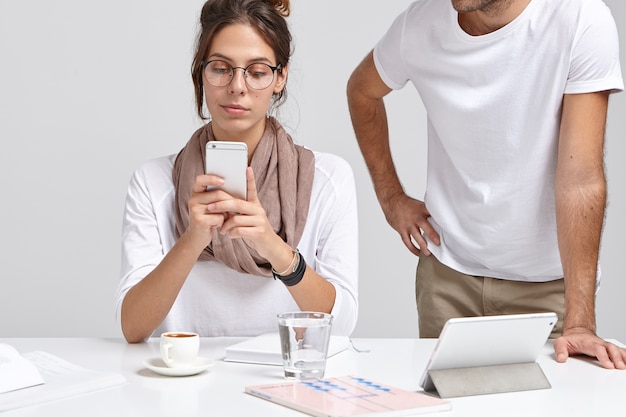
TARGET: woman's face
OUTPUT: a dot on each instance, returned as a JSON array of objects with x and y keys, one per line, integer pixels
[{"x": 237, "y": 111}]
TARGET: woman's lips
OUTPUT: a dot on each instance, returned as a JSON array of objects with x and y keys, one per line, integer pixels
[{"x": 234, "y": 109}]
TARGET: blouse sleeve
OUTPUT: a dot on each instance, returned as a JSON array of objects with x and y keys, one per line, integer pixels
[
  {"x": 144, "y": 235},
  {"x": 336, "y": 257}
]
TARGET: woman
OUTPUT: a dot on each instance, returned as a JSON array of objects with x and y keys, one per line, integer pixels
[{"x": 203, "y": 261}]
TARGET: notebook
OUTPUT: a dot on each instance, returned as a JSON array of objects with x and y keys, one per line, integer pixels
[
  {"x": 490, "y": 340},
  {"x": 265, "y": 349},
  {"x": 348, "y": 396}
]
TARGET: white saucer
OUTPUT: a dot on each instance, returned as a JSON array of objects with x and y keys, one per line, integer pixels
[{"x": 157, "y": 365}]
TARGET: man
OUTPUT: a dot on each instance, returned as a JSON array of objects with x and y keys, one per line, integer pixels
[{"x": 516, "y": 93}]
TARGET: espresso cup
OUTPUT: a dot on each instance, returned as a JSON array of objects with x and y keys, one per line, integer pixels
[{"x": 179, "y": 349}]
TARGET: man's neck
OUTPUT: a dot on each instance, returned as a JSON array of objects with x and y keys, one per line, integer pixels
[{"x": 492, "y": 17}]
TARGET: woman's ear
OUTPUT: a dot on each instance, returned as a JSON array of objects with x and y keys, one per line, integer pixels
[{"x": 281, "y": 78}]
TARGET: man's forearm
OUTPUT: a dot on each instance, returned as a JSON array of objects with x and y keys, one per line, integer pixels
[
  {"x": 580, "y": 195},
  {"x": 370, "y": 126},
  {"x": 365, "y": 93},
  {"x": 580, "y": 217}
]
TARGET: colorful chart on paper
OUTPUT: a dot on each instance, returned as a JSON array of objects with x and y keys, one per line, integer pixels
[{"x": 347, "y": 396}]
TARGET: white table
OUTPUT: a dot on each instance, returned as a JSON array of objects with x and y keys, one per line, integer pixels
[{"x": 580, "y": 387}]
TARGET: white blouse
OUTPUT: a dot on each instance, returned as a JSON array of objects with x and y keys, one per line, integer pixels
[{"x": 218, "y": 301}]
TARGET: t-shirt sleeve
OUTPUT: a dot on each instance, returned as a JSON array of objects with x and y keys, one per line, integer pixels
[
  {"x": 388, "y": 55},
  {"x": 595, "y": 64}
]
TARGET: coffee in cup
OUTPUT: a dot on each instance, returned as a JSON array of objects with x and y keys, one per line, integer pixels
[{"x": 179, "y": 349}]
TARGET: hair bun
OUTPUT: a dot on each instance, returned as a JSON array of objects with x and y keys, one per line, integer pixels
[{"x": 281, "y": 6}]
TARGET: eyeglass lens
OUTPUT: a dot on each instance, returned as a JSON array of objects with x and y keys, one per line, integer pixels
[{"x": 258, "y": 76}]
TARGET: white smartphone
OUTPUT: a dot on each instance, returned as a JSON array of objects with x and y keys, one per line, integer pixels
[{"x": 229, "y": 160}]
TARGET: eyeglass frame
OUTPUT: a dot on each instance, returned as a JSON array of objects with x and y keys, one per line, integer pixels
[{"x": 274, "y": 69}]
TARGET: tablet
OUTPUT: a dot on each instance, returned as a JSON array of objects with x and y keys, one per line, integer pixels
[{"x": 489, "y": 340}]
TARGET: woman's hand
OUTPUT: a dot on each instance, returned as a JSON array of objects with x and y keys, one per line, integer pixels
[
  {"x": 247, "y": 219},
  {"x": 201, "y": 220}
]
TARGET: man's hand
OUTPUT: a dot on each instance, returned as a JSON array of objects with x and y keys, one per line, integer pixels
[
  {"x": 409, "y": 217},
  {"x": 580, "y": 341}
]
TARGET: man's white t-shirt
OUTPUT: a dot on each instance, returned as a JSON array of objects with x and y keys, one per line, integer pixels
[
  {"x": 494, "y": 104},
  {"x": 218, "y": 301}
]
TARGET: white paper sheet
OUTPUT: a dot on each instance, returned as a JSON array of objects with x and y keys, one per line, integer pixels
[
  {"x": 16, "y": 372},
  {"x": 62, "y": 380}
]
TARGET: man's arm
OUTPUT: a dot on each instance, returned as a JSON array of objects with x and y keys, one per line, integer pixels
[
  {"x": 580, "y": 193},
  {"x": 369, "y": 119}
]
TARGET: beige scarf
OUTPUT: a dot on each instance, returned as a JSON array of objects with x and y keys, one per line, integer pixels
[{"x": 284, "y": 177}]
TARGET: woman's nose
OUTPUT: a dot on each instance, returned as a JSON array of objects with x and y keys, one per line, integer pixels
[{"x": 238, "y": 83}]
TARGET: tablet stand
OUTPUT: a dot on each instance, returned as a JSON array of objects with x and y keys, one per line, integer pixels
[{"x": 493, "y": 379}]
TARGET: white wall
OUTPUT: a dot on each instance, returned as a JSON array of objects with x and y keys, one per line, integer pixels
[{"x": 88, "y": 90}]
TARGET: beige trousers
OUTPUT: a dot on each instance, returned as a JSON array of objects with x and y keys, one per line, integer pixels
[{"x": 442, "y": 293}]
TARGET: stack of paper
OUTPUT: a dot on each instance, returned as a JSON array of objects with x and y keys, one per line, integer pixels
[{"x": 53, "y": 378}]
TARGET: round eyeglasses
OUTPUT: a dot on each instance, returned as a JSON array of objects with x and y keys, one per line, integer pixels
[{"x": 258, "y": 76}]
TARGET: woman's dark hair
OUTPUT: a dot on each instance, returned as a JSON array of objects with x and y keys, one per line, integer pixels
[{"x": 266, "y": 16}]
